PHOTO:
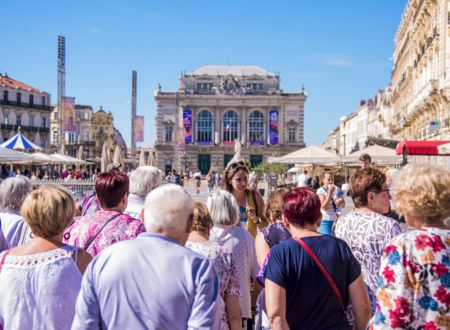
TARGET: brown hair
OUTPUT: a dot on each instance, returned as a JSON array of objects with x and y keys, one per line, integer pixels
[
  {"x": 48, "y": 210},
  {"x": 275, "y": 203},
  {"x": 362, "y": 182},
  {"x": 201, "y": 219},
  {"x": 364, "y": 157},
  {"x": 232, "y": 168}
]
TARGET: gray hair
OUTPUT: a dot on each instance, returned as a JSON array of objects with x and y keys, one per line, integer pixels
[
  {"x": 13, "y": 192},
  {"x": 223, "y": 208},
  {"x": 144, "y": 179},
  {"x": 168, "y": 207}
]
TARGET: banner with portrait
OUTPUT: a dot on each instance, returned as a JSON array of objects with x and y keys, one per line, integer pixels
[
  {"x": 68, "y": 115},
  {"x": 273, "y": 127},
  {"x": 187, "y": 125},
  {"x": 139, "y": 128}
]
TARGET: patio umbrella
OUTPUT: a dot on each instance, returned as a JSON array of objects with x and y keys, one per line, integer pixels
[
  {"x": 12, "y": 156},
  {"x": 80, "y": 154},
  {"x": 311, "y": 155},
  {"x": 106, "y": 158},
  {"x": 379, "y": 154},
  {"x": 118, "y": 158},
  {"x": 151, "y": 158},
  {"x": 142, "y": 158},
  {"x": 444, "y": 149},
  {"x": 19, "y": 142}
]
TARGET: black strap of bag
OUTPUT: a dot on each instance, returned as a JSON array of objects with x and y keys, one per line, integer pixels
[{"x": 101, "y": 229}]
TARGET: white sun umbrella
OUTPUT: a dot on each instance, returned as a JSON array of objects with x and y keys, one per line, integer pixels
[
  {"x": 118, "y": 158},
  {"x": 13, "y": 156},
  {"x": 311, "y": 155},
  {"x": 142, "y": 158},
  {"x": 151, "y": 158},
  {"x": 106, "y": 158},
  {"x": 444, "y": 149}
]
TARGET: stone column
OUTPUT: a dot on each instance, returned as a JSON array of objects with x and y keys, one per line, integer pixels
[{"x": 244, "y": 129}]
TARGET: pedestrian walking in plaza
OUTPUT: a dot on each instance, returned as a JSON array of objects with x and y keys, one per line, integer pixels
[
  {"x": 142, "y": 180},
  {"x": 198, "y": 180},
  {"x": 94, "y": 232},
  {"x": 152, "y": 282},
  {"x": 310, "y": 279},
  {"x": 250, "y": 202},
  {"x": 40, "y": 281},
  {"x": 365, "y": 229},
  {"x": 414, "y": 277},
  {"x": 224, "y": 264},
  {"x": 332, "y": 202},
  {"x": 13, "y": 192},
  {"x": 365, "y": 161},
  {"x": 274, "y": 234},
  {"x": 224, "y": 212}
]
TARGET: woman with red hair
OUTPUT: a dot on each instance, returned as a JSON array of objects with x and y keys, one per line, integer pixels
[
  {"x": 311, "y": 278},
  {"x": 95, "y": 232}
]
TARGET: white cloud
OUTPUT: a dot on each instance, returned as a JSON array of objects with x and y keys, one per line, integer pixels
[
  {"x": 92, "y": 30},
  {"x": 336, "y": 60}
]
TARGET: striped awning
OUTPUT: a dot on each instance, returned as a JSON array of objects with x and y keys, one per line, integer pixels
[{"x": 19, "y": 142}]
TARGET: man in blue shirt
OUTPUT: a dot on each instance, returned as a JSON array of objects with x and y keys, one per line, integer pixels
[{"x": 153, "y": 281}]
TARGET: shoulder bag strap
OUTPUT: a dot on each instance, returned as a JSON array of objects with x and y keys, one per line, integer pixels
[
  {"x": 323, "y": 269},
  {"x": 101, "y": 229},
  {"x": 2, "y": 261}
]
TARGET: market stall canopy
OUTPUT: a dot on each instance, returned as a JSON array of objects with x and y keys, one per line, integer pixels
[
  {"x": 379, "y": 154},
  {"x": 444, "y": 149},
  {"x": 20, "y": 142},
  {"x": 309, "y": 155},
  {"x": 68, "y": 159},
  {"x": 419, "y": 147},
  {"x": 12, "y": 156}
]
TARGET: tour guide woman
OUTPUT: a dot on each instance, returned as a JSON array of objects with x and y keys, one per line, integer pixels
[
  {"x": 310, "y": 278},
  {"x": 251, "y": 204}
]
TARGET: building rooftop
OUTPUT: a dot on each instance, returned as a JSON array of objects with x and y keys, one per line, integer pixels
[
  {"x": 8, "y": 82},
  {"x": 235, "y": 70}
]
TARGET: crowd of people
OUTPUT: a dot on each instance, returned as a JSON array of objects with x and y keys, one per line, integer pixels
[{"x": 139, "y": 253}]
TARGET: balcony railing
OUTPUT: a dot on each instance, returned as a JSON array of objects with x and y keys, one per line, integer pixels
[
  {"x": 25, "y": 128},
  {"x": 26, "y": 105}
]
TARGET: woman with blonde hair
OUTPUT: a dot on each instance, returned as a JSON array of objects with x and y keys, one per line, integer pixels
[
  {"x": 40, "y": 281},
  {"x": 414, "y": 278},
  {"x": 223, "y": 263}
]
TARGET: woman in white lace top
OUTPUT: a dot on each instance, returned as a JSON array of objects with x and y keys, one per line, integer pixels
[
  {"x": 39, "y": 281},
  {"x": 224, "y": 266}
]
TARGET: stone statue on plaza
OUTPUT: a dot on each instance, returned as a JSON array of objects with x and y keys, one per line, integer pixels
[{"x": 237, "y": 150}]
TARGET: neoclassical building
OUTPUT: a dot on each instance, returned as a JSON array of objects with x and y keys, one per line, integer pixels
[
  {"x": 197, "y": 125},
  {"x": 24, "y": 106},
  {"x": 420, "y": 85}
]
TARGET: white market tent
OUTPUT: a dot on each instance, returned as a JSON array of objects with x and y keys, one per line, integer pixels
[
  {"x": 13, "y": 156},
  {"x": 68, "y": 159},
  {"x": 379, "y": 155},
  {"x": 311, "y": 155}
]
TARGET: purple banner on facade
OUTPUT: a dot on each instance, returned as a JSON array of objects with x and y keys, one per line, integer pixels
[
  {"x": 273, "y": 127},
  {"x": 187, "y": 125}
]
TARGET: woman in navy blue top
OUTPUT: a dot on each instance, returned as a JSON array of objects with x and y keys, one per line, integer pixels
[{"x": 298, "y": 295}]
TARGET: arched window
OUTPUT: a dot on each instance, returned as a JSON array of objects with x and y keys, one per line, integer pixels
[
  {"x": 256, "y": 128},
  {"x": 230, "y": 127},
  {"x": 204, "y": 127}
]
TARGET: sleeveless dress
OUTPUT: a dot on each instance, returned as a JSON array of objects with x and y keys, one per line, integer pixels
[{"x": 39, "y": 291}]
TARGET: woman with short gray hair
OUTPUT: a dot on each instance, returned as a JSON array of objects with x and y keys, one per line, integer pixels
[
  {"x": 12, "y": 194},
  {"x": 142, "y": 181},
  {"x": 224, "y": 212}
]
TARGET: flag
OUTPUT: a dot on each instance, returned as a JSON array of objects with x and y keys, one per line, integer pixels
[{"x": 139, "y": 128}]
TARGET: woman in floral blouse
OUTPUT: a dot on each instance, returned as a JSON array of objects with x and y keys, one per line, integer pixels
[
  {"x": 414, "y": 281},
  {"x": 224, "y": 266}
]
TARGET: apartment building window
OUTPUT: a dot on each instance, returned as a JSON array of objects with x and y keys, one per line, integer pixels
[
  {"x": 230, "y": 127},
  {"x": 71, "y": 138},
  {"x": 72, "y": 152},
  {"x": 256, "y": 128},
  {"x": 6, "y": 118},
  {"x": 205, "y": 86},
  {"x": 44, "y": 122},
  {"x": 169, "y": 130},
  {"x": 31, "y": 100},
  {"x": 291, "y": 135},
  {"x": 31, "y": 121},
  {"x": 19, "y": 98},
  {"x": 55, "y": 136},
  {"x": 87, "y": 136},
  {"x": 19, "y": 120},
  {"x": 256, "y": 87},
  {"x": 43, "y": 101},
  {"x": 204, "y": 127},
  {"x": 5, "y": 96}
]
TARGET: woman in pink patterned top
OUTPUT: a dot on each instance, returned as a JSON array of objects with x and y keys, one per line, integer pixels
[{"x": 94, "y": 232}]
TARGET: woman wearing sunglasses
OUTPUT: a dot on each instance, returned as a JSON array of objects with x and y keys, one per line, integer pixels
[{"x": 251, "y": 204}]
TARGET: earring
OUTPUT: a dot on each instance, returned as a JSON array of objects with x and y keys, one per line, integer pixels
[{"x": 67, "y": 236}]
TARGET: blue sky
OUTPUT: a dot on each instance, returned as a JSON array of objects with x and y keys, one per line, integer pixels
[{"x": 339, "y": 50}]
